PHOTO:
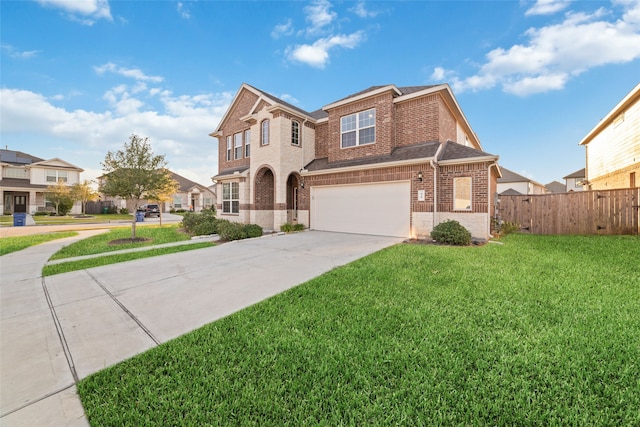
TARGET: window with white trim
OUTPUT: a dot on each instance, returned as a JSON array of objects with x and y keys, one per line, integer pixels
[
  {"x": 231, "y": 197},
  {"x": 229, "y": 148},
  {"x": 237, "y": 145},
  {"x": 462, "y": 193},
  {"x": 9, "y": 172},
  {"x": 295, "y": 133},
  {"x": 247, "y": 142},
  {"x": 358, "y": 129},
  {"x": 264, "y": 132},
  {"x": 55, "y": 175}
]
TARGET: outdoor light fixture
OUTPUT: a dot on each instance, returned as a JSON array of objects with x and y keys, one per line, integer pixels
[
  {"x": 301, "y": 184},
  {"x": 420, "y": 176}
]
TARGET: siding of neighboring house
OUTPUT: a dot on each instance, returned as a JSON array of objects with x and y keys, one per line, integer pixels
[{"x": 613, "y": 147}]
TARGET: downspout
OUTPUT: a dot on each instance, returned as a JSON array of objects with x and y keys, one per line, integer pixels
[
  {"x": 434, "y": 164},
  {"x": 490, "y": 197}
]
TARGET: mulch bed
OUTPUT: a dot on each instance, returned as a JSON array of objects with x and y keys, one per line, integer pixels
[{"x": 129, "y": 240}]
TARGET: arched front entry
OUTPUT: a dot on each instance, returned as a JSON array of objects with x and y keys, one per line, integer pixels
[
  {"x": 293, "y": 183},
  {"x": 264, "y": 197}
]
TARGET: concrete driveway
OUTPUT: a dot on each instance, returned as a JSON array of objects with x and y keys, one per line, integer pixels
[{"x": 60, "y": 329}]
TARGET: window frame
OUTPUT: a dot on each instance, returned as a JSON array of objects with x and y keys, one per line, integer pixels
[
  {"x": 237, "y": 146},
  {"x": 359, "y": 121},
  {"x": 229, "y": 148},
  {"x": 247, "y": 143},
  {"x": 295, "y": 133},
  {"x": 264, "y": 132},
  {"x": 57, "y": 176},
  {"x": 456, "y": 188},
  {"x": 231, "y": 198}
]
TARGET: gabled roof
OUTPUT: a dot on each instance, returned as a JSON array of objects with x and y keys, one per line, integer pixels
[
  {"x": 577, "y": 174},
  {"x": 511, "y": 176},
  {"x": 185, "y": 183},
  {"x": 231, "y": 172},
  {"x": 556, "y": 187},
  {"x": 511, "y": 192},
  {"x": 631, "y": 98},
  {"x": 454, "y": 151},
  {"x": 57, "y": 162}
]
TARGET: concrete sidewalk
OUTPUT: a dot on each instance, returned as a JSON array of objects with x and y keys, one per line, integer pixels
[{"x": 60, "y": 329}]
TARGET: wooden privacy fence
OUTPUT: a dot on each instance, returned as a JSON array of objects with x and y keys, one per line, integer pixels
[{"x": 583, "y": 212}]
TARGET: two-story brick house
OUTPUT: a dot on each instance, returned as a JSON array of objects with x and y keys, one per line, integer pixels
[{"x": 388, "y": 160}]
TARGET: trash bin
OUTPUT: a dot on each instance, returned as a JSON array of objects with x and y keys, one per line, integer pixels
[
  {"x": 19, "y": 219},
  {"x": 139, "y": 216},
  {"x": 105, "y": 209}
]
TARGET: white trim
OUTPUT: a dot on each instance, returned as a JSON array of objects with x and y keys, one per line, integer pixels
[{"x": 305, "y": 172}]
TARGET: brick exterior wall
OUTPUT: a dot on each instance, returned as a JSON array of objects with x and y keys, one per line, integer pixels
[
  {"x": 417, "y": 121},
  {"x": 447, "y": 129},
  {"x": 322, "y": 140},
  {"x": 233, "y": 125},
  {"x": 264, "y": 195},
  {"x": 479, "y": 186},
  {"x": 383, "y": 104}
]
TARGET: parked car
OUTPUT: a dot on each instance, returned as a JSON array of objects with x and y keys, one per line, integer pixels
[{"x": 150, "y": 210}]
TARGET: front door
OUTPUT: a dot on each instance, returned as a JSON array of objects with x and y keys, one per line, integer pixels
[{"x": 20, "y": 204}]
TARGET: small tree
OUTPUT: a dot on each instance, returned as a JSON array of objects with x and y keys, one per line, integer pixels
[
  {"x": 165, "y": 193},
  {"x": 134, "y": 174},
  {"x": 83, "y": 192},
  {"x": 60, "y": 195}
]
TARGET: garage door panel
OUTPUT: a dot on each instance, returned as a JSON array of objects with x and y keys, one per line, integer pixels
[{"x": 381, "y": 209}]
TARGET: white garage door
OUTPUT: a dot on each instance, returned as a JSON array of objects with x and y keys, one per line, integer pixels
[{"x": 381, "y": 209}]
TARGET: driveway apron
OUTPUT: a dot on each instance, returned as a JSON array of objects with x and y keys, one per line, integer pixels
[{"x": 60, "y": 329}]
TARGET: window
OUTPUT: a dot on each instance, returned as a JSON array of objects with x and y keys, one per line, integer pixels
[
  {"x": 358, "y": 129},
  {"x": 231, "y": 197},
  {"x": 462, "y": 194},
  {"x": 265, "y": 132},
  {"x": 177, "y": 202},
  {"x": 55, "y": 176},
  {"x": 10, "y": 172},
  {"x": 229, "y": 148},
  {"x": 295, "y": 133},
  {"x": 247, "y": 143},
  {"x": 237, "y": 145}
]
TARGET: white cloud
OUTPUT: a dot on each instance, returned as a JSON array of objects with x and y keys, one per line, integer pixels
[
  {"x": 288, "y": 98},
  {"x": 361, "y": 10},
  {"x": 179, "y": 129},
  {"x": 13, "y": 53},
  {"x": 84, "y": 11},
  {"x": 547, "y": 7},
  {"x": 319, "y": 15},
  {"x": 183, "y": 11},
  {"x": 285, "y": 29},
  {"x": 317, "y": 54},
  {"x": 556, "y": 53},
  {"x": 133, "y": 73}
]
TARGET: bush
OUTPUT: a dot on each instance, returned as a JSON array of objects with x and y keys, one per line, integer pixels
[
  {"x": 253, "y": 230},
  {"x": 124, "y": 211},
  {"x": 508, "y": 227},
  {"x": 41, "y": 213},
  {"x": 451, "y": 232},
  {"x": 231, "y": 230},
  {"x": 200, "y": 224},
  {"x": 288, "y": 228},
  {"x": 298, "y": 227}
]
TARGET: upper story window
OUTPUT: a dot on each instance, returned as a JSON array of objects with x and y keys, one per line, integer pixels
[
  {"x": 264, "y": 130},
  {"x": 9, "y": 172},
  {"x": 237, "y": 145},
  {"x": 55, "y": 176},
  {"x": 247, "y": 142},
  {"x": 295, "y": 133},
  {"x": 229, "y": 148},
  {"x": 358, "y": 129}
]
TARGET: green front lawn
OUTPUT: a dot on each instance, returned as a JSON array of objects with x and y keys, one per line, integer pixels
[
  {"x": 13, "y": 244},
  {"x": 543, "y": 330},
  {"x": 7, "y": 220}
]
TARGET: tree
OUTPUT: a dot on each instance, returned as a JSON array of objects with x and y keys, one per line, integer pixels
[
  {"x": 134, "y": 174},
  {"x": 60, "y": 195},
  {"x": 83, "y": 192},
  {"x": 165, "y": 193}
]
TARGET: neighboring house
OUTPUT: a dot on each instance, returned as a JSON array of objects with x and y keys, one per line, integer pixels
[
  {"x": 555, "y": 187},
  {"x": 613, "y": 147},
  {"x": 24, "y": 180},
  {"x": 388, "y": 160},
  {"x": 575, "y": 181},
  {"x": 190, "y": 196},
  {"x": 518, "y": 184}
]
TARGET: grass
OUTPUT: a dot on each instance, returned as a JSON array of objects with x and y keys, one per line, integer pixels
[
  {"x": 13, "y": 244},
  {"x": 65, "y": 267},
  {"x": 542, "y": 330},
  {"x": 7, "y": 220},
  {"x": 100, "y": 243}
]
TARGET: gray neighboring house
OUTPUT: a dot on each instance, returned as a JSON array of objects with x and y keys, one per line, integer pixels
[
  {"x": 575, "y": 181},
  {"x": 555, "y": 187},
  {"x": 518, "y": 184}
]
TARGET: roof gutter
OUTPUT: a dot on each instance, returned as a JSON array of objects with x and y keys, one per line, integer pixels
[{"x": 367, "y": 166}]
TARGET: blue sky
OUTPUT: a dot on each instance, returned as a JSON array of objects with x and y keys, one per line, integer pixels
[{"x": 533, "y": 77}]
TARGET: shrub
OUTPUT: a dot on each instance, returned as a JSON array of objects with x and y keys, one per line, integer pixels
[
  {"x": 41, "y": 213},
  {"x": 172, "y": 210},
  {"x": 298, "y": 227},
  {"x": 287, "y": 228},
  {"x": 508, "y": 227},
  {"x": 253, "y": 230},
  {"x": 113, "y": 210},
  {"x": 124, "y": 211},
  {"x": 451, "y": 232},
  {"x": 200, "y": 224},
  {"x": 231, "y": 230}
]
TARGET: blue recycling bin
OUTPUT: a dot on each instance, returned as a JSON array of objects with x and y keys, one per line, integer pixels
[
  {"x": 139, "y": 216},
  {"x": 19, "y": 219}
]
